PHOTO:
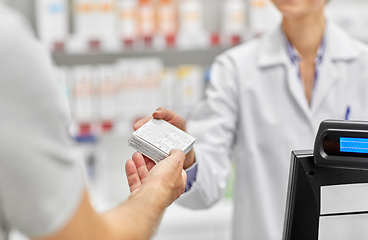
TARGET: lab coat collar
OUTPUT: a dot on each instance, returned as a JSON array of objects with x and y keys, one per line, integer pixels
[
  {"x": 273, "y": 49},
  {"x": 339, "y": 47},
  {"x": 273, "y": 52}
]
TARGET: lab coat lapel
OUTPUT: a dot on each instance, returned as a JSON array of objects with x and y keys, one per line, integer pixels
[
  {"x": 296, "y": 89},
  {"x": 339, "y": 47},
  {"x": 273, "y": 53},
  {"x": 327, "y": 79}
]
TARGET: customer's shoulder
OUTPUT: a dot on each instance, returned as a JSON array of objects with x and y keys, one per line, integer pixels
[{"x": 13, "y": 26}]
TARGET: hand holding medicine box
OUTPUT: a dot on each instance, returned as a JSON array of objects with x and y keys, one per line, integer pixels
[{"x": 157, "y": 138}]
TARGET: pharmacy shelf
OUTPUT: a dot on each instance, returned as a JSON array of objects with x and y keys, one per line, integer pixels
[{"x": 173, "y": 57}]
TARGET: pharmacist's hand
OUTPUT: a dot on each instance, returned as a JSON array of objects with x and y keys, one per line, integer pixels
[
  {"x": 165, "y": 114},
  {"x": 166, "y": 179}
]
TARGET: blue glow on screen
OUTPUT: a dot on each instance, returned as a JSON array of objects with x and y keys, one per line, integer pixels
[{"x": 354, "y": 145}]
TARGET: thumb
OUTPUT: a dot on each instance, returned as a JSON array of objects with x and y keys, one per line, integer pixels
[{"x": 177, "y": 155}]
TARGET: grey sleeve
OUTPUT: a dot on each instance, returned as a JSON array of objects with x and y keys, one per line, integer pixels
[{"x": 41, "y": 180}]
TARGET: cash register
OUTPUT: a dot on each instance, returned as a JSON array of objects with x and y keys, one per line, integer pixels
[{"x": 339, "y": 158}]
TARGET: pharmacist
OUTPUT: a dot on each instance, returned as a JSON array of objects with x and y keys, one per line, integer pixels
[
  {"x": 267, "y": 98},
  {"x": 42, "y": 190}
]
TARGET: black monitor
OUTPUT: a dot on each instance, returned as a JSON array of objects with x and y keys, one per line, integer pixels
[{"x": 303, "y": 198}]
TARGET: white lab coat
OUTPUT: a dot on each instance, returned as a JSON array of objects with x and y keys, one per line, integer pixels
[{"x": 256, "y": 103}]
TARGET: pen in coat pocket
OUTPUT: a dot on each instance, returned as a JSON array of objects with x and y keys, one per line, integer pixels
[{"x": 347, "y": 113}]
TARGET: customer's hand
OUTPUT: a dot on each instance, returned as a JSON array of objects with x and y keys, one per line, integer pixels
[
  {"x": 165, "y": 180},
  {"x": 176, "y": 120}
]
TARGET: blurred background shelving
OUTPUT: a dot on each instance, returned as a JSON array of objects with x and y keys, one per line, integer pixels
[
  {"x": 170, "y": 57},
  {"x": 115, "y": 66}
]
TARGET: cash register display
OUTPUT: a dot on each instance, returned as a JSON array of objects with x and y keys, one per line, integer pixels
[
  {"x": 335, "y": 145},
  {"x": 354, "y": 145}
]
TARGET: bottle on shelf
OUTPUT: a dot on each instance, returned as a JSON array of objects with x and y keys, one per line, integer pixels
[
  {"x": 192, "y": 33},
  {"x": 105, "y": 16},
  {"x": 188, "y": 88},
  {"x": 147, "y": 21},
  {"x": 168, "y": 21},
  {"x": 167, "y": 88},
  {"x": 84, "y": 17},
  {"x": 106, "y": 93},
  {"x": 263, "y": 16},
  {"x": 127, "y": 22},
  {"x": 94, "y": 26},
  {"x": 52, "y": 23},
  {"x": 105, "y": 25},
  {"x": 234, "y": 21},
  {"x": 82, "y": 109}
]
